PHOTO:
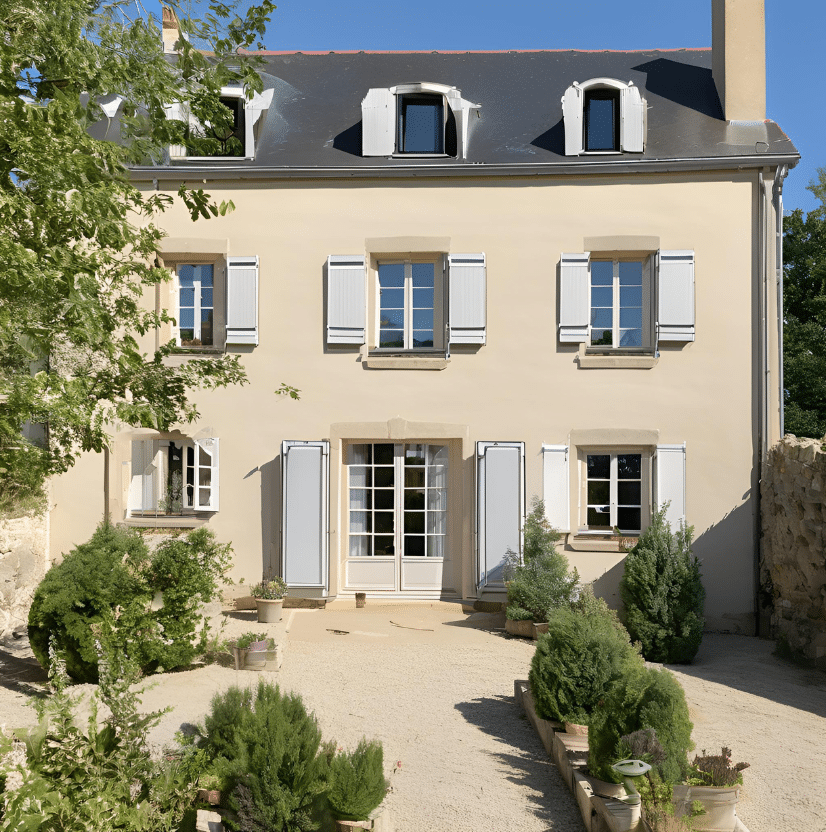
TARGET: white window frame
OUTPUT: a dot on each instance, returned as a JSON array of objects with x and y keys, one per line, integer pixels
[
  {"x": 197, "y": 307},
  {"x": 438, "y": 304},
  {"x": 645, "y": 310}
]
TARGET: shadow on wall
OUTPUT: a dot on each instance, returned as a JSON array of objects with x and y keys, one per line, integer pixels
[
  {"x": 270, "y": 517},
  {"x": 607, "y": 586},
  {"x": 525, "y": 761}
]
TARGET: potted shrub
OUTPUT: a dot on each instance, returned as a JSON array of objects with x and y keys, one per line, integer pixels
[
  {"x": 715, "y": 782},
  {"x": 356, "y": 785},
  {"x": 254, "y": 651},
  {"x": 269, "y": 599},
  {"x": 539, "y": 581}
]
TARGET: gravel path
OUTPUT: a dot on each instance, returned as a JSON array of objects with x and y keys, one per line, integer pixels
[{"x": 436, "y": 687}]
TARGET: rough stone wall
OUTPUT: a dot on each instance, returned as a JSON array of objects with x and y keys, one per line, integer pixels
[
  {"x": 23, "y": 555},
  {"x": 793, "y": 564}
]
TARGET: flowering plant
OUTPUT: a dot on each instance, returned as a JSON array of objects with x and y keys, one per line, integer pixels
[{"x": 270, "y": 590}]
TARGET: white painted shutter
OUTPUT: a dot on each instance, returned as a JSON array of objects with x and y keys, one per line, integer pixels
[
  {"x": 632, "y": 124},
  {"x": 143, "y": 490},
  {"x": 206, "y": 475},
  {"x": 574, "y": 305},
  {"x": 675, "y": 296},
  {"x": 177, "y": 112},
  {"x": 468, "y": 299},
  {"x": 346, "y": 299},
  {"x": 304, "y": 510},
  {"x": 669, "y": 482},
  {"x": 242, "y": 300},
  {"x": 378, "y": 123},
  {"x": 572, "y": 117},
  {"x": 556, "y": 486},
  {"x": 257, "y": 104},
  {"x": 500, "y": 506}
]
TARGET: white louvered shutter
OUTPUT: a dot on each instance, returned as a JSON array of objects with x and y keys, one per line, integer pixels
[
  {"x": 378, "y": 123},
  {"x": 500, "y": 506},
  {"x": 304, "y": 510},
  {"x": 143, "y": 484},
  {"x": 669, "y": 482},
  {"x": 467, "y": 316},
  {"x": 556, "y": 487},
  {"x": 346, "y": 299},
  {"x": 675, "y": 296},
  {"x": 572, "y": 118},
  {"x": 242, "y": 300},
  {"x": 574, "y": 303},
  {"x": 206, "y": 475},
  {"x": 632, "y": 126},
  {"x": 177, "y": 112}
]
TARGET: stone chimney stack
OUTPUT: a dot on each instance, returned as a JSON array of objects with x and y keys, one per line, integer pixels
[
  {"x": 171, "y": 29},
  {"x": 738, "y": 40}
]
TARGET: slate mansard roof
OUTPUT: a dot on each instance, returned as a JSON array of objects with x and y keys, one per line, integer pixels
[{"x": 313, "y": 126}]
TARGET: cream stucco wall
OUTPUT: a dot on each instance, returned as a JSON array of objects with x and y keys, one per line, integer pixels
[{"x": 522, "y": 385}]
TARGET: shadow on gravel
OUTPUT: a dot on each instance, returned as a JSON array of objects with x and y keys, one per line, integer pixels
[
  {"x": 746, "y": 663},
  {"x": 524, "y": 761},
  {"x": 19, "y": 670}
]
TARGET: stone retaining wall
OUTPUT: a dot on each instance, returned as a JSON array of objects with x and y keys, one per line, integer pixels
[
  {"x": 793, "y": 562},
  {"x": 23, "y": 557}
]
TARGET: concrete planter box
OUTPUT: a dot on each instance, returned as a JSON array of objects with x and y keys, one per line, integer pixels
[
  {"x": 523, "y": 629},
  {"x": 380, "y": 820},
  {"x": 544, "y": 727},
  {"x": 720, "y": 805}
]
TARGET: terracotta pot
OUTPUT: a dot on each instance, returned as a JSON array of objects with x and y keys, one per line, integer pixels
[
  {"x": 720, "y": 803},
  {"x": 269, "y": 610}
]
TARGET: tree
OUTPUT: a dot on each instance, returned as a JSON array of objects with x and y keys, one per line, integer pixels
[
  {"x": 78, "y": 242},
  {"x": 804, "y": 329}
]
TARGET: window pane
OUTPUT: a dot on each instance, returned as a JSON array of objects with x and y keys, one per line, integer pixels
[
  {"x": 602, "y": 273},
  {"x": 206, "y": 298},
  {"x": 602, "y": 296},
  {"x": 391, "y": 338},
  {"x": 436, "y": 522},
  {"x": 414, "y": 454},
  {"x": 360, "y": 521},
  {"x": 628, "y": 519},
  {"x": 630, "y": 318},
  {"x": 629, "y": 466},
  {"x": 360, "y": 477},
  {"x": 414, "y": 477},
  {"x": 204, "y": 497},
  {"x": 423, "y": 338},
  {"x": 383, "y": 521},
  {"x": 630, "y": 295},
  {"x": 391, "y": 275},
  {"x": 600, "y": 120},
  {"x": 437, "y": 476},
  {"x": 361, "y": 498},
  {"x": 392, "y": 319},
  {"x": 423, "y": 298},
  {"x": 602, "y": 337},
  {"x": 598, "y": 519},
  {"x": 422, "y": 126},
  {"x": 630, "y": 338},
  {"x": 423, "y": 320},
  {"x": 186, "y": 320},
  {"x": 187, "y": 298},
  {"x": 435, "y": 547},
  {"x": 384, "y": 499},
  {"x": 359, "y": 547},
  {"x": 414, "y": 522},
  {"x": 436, "y": 454},
  {"x": 383, "y": 477},
  {"x": 206, "y": 326},
  {"x": 628, "y": 493},
  {"x": 383, "y": 546},
  {"x": 630, "y": 274},
  {"x": 413, "y": 546},
  {"x": 422, "y": 275},
  {"x": 392, "y": 298},
  {"x": 599, "y": 491},
  {"x": 437, "y": 498},
  {"x": 383, "y": 454},
  {"x": 186, "y": 275},
  {"x": 414, "y": 499},
  {"x": 599, "y": 466},
  {"x": 359, "y": 454},
  {"x": 602, "y": 318}
]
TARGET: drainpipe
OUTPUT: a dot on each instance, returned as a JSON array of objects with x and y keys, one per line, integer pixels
[
  {"x": 777, "y": 197},
  {"x": 763, "y": 387}
]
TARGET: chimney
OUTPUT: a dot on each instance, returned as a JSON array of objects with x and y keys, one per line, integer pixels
[
  {"x": 171, "y": 29},
  {"x": 738, "y": 57}
]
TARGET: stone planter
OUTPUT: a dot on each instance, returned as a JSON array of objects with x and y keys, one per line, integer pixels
[
  {"x": 261, "y": 659},
  {"x": 719, "y": 802},
  {"x": 269, "y": 610},
  {"x": 380, "y": 820},
  {"x": 576, "y": 728},
  {"x": 523, "y": 629}
]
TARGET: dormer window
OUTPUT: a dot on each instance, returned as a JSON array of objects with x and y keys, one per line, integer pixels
[
  {"x": 416, "y": 119},
  {"x": 603, "y": 115}
]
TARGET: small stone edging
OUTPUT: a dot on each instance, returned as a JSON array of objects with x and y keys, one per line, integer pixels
[{"x": 569, "y": 752}]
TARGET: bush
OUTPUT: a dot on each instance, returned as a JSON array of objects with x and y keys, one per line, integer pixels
[
  {"x": 576, "y": 661},
  {"x": 114, "y": 575},
  {"x": 663, "y": 593},
  {"x": 641, "y": 698},
  {"x": 264, "y": 749},
  {"x": 357, "y": 784},
  {"x": 541, "y": 582}
]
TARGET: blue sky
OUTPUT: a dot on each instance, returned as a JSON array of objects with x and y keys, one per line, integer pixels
[{"x": 795, "y": 33}]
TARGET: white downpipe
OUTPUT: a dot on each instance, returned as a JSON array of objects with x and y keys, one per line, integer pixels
[{"x": 777, "y": 193}]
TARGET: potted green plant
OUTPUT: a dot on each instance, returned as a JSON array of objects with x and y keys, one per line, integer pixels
[
  {"x": 356, "y": 785},
  {"x": 254, "y": 651},
  {"x": 269, "y": 599},
  {"x": 715, "y": 782}
]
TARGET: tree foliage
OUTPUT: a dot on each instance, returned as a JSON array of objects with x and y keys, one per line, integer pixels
[
  {"x": 79, "y": 239},
  {"x": 804, "y": 330}
]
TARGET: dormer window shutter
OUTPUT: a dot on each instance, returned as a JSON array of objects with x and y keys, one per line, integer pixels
[
  {"x": 468, "y": 299},
  {"x": 177, "y": 112},
  {"x": 346, "y": 299},
  {"x": 632, "y": 125},
  {"x": 675, "y": 296},
  {"x": 242, "y": 300},
  {"x": 572, "y": 118},
  {"x": 574, "y": 306},
  {"x": 378, "y": 123}
]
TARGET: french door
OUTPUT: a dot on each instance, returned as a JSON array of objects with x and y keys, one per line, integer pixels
[{"x": 397, "y": 516}]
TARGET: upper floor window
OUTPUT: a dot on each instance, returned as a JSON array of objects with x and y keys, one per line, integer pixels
[
  {"x": 619, "y": 304},
  {"x": 407, "y": 305},
  {"x": 196, "y": 304},
  {"x": 421, "y": 124},
  {"x": 603, "y": 115}
]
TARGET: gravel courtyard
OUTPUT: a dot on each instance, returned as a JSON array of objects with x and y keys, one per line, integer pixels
[{"x": 435, "y": 685}]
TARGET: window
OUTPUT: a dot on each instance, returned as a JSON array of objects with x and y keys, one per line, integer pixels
[
  {"x": 173, "y": 477},
  {"x": 406, "y": 305},
  {"x": 421, "y": 124},
  {"x": 602, "y": 120},
  {"x": 196, "y": 304},
  {"x": 618, "y": 309},
  {"x": 614, "y": 492}
]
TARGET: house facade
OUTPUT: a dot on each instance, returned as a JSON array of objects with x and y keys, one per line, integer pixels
[{"x": 491, "y": 276}]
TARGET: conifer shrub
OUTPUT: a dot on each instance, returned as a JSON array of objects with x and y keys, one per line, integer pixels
[
  {"x": 641, "y": 698},
  {"x": 663, "y": 593},
  {"x": 357, "y": 784},
  {"x": 115, "y": 575},
  {"x": 541, "y": 581},
  {"x": 584, "y": 652},
  {"x": 264, "y": 749}
]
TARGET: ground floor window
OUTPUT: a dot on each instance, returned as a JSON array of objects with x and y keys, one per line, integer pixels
[
  {"x": 614, "y": 492},
  {"x": 397, "y": 499}
]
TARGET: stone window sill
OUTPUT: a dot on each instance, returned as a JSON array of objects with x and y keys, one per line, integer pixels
[
  {"x": 629, "y": 361},
  {"x": 374, "y": 362},
  {"x": 191, "y": 521},
  {"x": 599, "y": 543}
]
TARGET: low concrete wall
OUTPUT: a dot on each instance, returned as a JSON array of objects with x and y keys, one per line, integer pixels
[
  {"x": 23, "y": 559},
  {"x": 793, "y": 560}
]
